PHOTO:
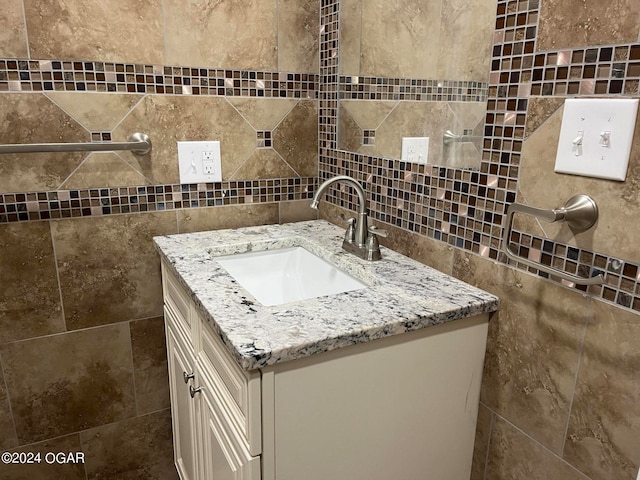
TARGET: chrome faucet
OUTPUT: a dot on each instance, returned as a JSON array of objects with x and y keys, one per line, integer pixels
[{"x": 359, "y": 239}]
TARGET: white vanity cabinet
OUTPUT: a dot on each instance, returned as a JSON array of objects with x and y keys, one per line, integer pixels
[{"x": 403, "y": 407}]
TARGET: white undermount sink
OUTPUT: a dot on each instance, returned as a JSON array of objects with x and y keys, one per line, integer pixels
[{"x": 286, "y": 275}]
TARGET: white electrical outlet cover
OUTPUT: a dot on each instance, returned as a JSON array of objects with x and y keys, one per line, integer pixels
[
  {"x": 588, "y": 118},
  {"x": 415, "y": 150},
  {"x": 199, "y": 162}
]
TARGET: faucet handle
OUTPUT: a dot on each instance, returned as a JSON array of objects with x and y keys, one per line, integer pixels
[{"x": 377, "y": 231}]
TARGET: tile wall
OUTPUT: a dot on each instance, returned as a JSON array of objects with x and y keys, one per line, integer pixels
[
  {"x": 560, "y": 397},
  {"x": 82, "y": 355}
]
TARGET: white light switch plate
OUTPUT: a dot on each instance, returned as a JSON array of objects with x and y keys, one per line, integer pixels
[
  {"x": 415, "y": 149},
  {"x": 596, "y": 136},
  {"x": 199, "y": 162}
]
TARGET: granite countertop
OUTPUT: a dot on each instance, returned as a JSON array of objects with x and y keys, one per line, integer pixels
[{"x": 404, "y": 295}]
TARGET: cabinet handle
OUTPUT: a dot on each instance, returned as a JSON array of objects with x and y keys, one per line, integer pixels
[
  {"x": 187, "y": 376},
  {"x": 193, "y": 390}
]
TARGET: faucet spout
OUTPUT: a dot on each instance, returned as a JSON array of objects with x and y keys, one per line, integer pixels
[{"x": 361, "y": 228}]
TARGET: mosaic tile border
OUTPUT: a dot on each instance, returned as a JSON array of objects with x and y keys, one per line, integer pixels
[
  {"x": 23, "y": 75},
  {"x": 411, "y": 89},
  {"x": 55, "y": 204}
]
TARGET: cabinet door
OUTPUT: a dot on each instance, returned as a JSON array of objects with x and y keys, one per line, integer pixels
[
  {"x": 182, "y": 408},
  {"x": 225, "y": 453}
]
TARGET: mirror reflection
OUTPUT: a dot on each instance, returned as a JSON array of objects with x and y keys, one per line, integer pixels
[{"x": 415, "y": 68}]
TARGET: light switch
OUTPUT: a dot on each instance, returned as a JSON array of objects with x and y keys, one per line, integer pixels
[{"x": 596, "y": 136}]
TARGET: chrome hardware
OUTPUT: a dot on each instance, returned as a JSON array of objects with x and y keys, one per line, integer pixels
[
  {"x": 357, "y": 238},
  {"x": 193, "y": 390},
  {"x": 449, "y": 137},
  {"x": 580, "y": 212},
  {"x": 187, "y": 376},
  {"x": 138, "y": 143}
]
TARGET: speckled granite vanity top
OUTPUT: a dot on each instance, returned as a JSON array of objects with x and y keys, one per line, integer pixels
[{"x": 404, "y": 295}]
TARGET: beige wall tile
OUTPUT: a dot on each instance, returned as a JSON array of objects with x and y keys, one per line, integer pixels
[
  {"x": 296, "y": 138},
  {"x": 238, "y": 34},
  {"x": 603, "y": 439},
  {"x": 393, "y": 33},
  {"x": 33, "y": 118},
  {"x": 29, "y": 297},
  {"x": 539, "y": 111},
  {"x": 532, "y": 348},
  {"x": 297, "y": 211},
  {"x": 169, "y": 119},
  {"x": 232, "y": 216},
  {"x": 369, "y": 114},
  {"x": 48, "y": 470},
  {"x": 8, "y": 438},
  {"x": 466, "y": 39},
  {"x": 590, "y": 22},
  {"x": 264, "y": 113},
  {"x": 264, "y": 163},
  {"x": 350, "y": 134},
  {"x": 13, "y": 40},
  {"x": 298, "y": 31},
  {"x": 96, "y": 112},
  {"x": 514, "y": 456},
  {"x": 148, "y": 346},
  {"x": 350, "y": 36},
  {"x": 69, "y": 382},
  {"x": 101, "y": 170},
  {"x": 131, "y": 449},
  {"x": 481, "y": 447},
  {"x": 617, "y": 229},
  {"x": 109, "y": 270},
  {"x": 127, "y": 30}
]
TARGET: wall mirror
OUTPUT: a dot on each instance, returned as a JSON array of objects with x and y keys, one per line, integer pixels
[{"x": 415, "y": 68}]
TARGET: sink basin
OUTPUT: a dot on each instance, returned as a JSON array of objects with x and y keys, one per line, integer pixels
[{"x": 286, "y": 275}]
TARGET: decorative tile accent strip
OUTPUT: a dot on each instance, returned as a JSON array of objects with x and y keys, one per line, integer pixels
[
  {"x": 368, "y": 137},
  {"x": 378, "y": 88},
  {"x": 17, "y": 207},
  {"x": 19, "y": 75},
  {"x": 264, "y": 139}
]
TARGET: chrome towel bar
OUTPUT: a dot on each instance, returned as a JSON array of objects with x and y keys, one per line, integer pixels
[
  {"x": 139, "y": 143},
  {"x": 580, "y": 212},
  {"x": 449, "y": 137}
]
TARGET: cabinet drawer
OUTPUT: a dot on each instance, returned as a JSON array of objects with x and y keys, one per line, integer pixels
[
  {"x": 240, "y": 390},
  {"x": 177, "y": 301}
]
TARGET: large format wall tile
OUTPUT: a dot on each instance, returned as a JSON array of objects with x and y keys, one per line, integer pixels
[
  {"x": 48, "y": 468},
  {"x": 397, "y": 38},
  {"x": 29, "y": 297},
  {"x": 297, "y": 211},
  {"x": 105, "y": 169},
  {"x": 618, "y": 202},
  {"x": 33, "y": 118},
  {"x": 69, "y": 382},
  {"x": 13, "y": 41},
  {"x": 296, "y": 138},
  {"x": 263, "y": 113},
  {"x": 514, "y": 456},
  {"x": 232, "y": 216},
  {"x": 466, "y": 39},
  {"x": 589, "y": 22},
  {"x": 134, "y": 449},
  {"x": 350, "y": 36},
  {"x": 298, "y": 30},
  {"x": 8, "y": 437},
  {"x": 234, "y": 34},
  {"x": 96, "y": 112},
  {"x": 118, "y": 30},
  {"x": 264, "y": 163},
  {"x": 148, "y": 345},
  {"x": 169, "y": 119},
  {"x": 109, "y": 271},
  {"x": 603, "y": 439},
  {"x": 532, "y": 348}
]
